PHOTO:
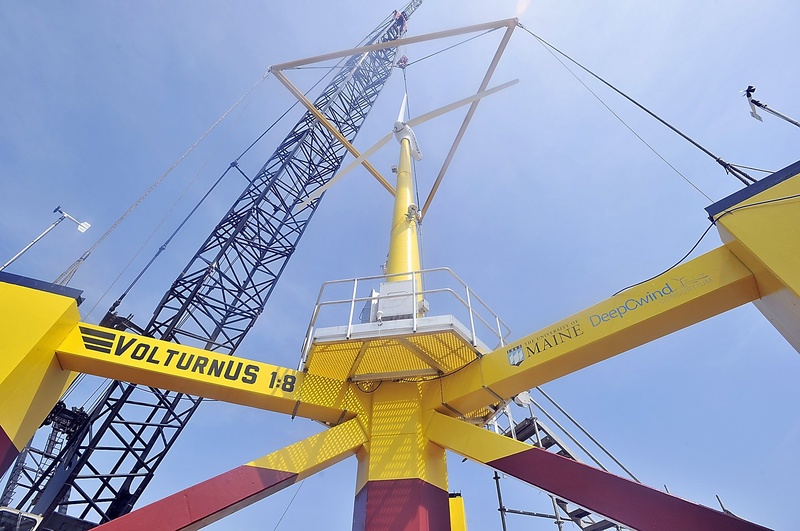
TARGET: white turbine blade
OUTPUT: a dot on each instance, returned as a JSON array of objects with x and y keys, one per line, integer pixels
[
  {"x": 402, "y": 115},
  {"x": 344, "y": 171},
  {"x": 460, "y": 103},
  {"x": 414, "y": 121}
]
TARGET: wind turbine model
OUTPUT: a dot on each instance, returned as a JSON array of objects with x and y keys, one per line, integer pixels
[{"x": 400, "y": 387}]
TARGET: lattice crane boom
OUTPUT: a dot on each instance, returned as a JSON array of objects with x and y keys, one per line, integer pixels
[
  {"x": 102, "y": 471},
  {"x": 402, "y": 387}
]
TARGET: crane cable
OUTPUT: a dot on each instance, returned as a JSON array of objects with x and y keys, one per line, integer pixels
[
  {"x": 234, "y": 164},
  {"x": 729, "y": 168},
  {"x": 712, "y": 224},
  {"x": 161, "y": 249},
  {"x": 286, "y": 510},
  {"x": 67, "y": 275},
  {"x": 452, "y": 46}
]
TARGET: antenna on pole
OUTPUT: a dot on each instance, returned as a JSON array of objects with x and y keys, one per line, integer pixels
[
  {"x": 82, "y": 227},
  {"x": 748, "y": 93}
]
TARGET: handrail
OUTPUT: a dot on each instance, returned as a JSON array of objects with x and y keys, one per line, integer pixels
[{"x": 479, "y": 314}]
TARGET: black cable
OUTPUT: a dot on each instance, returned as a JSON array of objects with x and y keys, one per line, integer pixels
[
  {"x": 674, "y": 265},
  {"x": 453, "y": 46},
  {"x": 292, "y": 106},
  {"x": 167, "y": 242},
  {"x": 316, "y": 67},
  {"x": 234, "y": 164},
  {"x": 729, "y": 168},
  {"x": 623, "y": 122},
  {"x": 368, "y": 391},
  {"x": 438, "y": 376},
  {"x": 752, "y": 168},
  {"x": 714, "y": 222},
  {"x": 288, "y": 506},
  {"x": 758, "y": 203}
]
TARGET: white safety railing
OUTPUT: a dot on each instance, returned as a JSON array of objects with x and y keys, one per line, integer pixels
[{"x": 442, "y": 293}]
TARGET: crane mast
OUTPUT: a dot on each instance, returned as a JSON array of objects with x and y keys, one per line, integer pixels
[{"x": 106, "y": 463}]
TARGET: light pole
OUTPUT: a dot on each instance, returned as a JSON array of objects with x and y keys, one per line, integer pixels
[{"x": 82, "y": 227}]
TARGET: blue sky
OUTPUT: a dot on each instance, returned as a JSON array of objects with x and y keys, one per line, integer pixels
[{"x": 551, "y": 205}]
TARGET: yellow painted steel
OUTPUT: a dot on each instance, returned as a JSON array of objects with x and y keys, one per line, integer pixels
[
  {"x": 458, "y": 517},
  {"x": 397, "y": 447},
  {"x": 309, "y": 456},
  {"x": 478, "y": 444},
  {"x": 399, "y": 429},
  {"x": 763, "y": 232},
  {"x": 389, "y": 358},
  {"x": 704, "y": 287},
  {"x": 32, "y": 324},
  {"x": 403, "y": 242},
  {"x": 182, "y": 368}
]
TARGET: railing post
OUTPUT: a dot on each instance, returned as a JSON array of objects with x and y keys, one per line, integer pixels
[
  {"x": 352, "y": 308},
  {"x": 512, "y": 427},
  {"x": 471, "y": 319},
  {"x": 499, "y": 331},
  {"x": 307, "y": 342},
  {"x": 414, "y": 299}
]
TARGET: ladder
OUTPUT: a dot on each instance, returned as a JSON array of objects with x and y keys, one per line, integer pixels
[{"x": 537, "y": 433}]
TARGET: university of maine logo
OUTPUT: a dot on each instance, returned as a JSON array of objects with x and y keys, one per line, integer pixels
[{"x": 516, "y": 355}]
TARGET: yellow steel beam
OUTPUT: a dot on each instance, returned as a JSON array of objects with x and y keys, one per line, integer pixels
[
  {"x": 477, "y": 444},
  {"x": 215, "y": 498},
  {"x": 704, "y": 287},
  {"x": 762, "y": 228},
  {"x": 458, "y": 515},
  {"x": 32, "y": 324},
  {"x": 622, "y": 500},
  {"x": 397, "y": 448},
  {"x": 403, "y": 242},
  {"x": 309, "y": 456},
  {"x": 143, "y": 360}
]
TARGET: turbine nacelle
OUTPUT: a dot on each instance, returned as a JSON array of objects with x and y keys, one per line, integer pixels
[{"x": 402, "y": 130}]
